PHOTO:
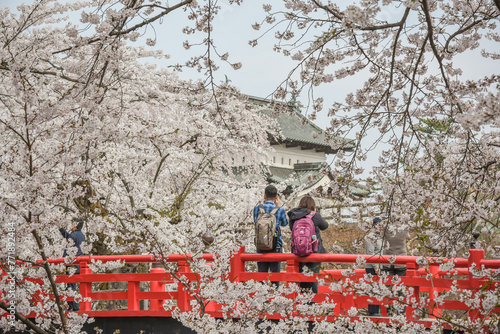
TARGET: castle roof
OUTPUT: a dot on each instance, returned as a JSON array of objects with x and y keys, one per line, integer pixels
[
  {"x": 303, "y": 174},
  {"x": 298, "y": 130}
]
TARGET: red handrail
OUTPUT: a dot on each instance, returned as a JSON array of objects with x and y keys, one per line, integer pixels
[{"x": 429, "y": 279}]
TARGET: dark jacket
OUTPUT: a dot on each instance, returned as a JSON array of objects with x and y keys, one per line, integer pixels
[
  {"x": 319, "y": 224},
  {"x": 77, "y": 237}
]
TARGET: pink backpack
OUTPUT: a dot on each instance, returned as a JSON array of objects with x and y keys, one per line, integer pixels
[{"x": 304, "y": 240}]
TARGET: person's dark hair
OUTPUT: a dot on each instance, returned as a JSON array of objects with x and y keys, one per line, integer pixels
[
  {"x": 79, "y": 223},
  {"x": 207, "y": 238},
  {"x": 271, "y": 192},
  {"x": 308, "y": 203}
]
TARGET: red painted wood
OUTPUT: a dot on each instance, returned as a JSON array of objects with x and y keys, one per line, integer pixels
[
  {"x": 164, "y": 287},
  {"x": 156, "y": 286},
  {"x": 132, "y": 298}
]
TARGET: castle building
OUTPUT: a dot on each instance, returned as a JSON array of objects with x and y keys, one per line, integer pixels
[{"x": 299, "y": 159}]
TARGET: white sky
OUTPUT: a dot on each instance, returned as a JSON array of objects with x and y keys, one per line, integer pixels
[{"x": 263, "y": 69}]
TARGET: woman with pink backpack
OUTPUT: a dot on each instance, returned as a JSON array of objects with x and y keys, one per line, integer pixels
[{"x": 306, "y": 224}]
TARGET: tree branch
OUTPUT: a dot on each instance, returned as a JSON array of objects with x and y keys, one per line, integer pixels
[
  {"x": 497, "y": 3},
  {"x": 165, "y": 12},
  {"x": 430, "y": 35},
  {"x": 52, "y": 282},
  {"x": 460, "y": 31},
  {"x": 137, "y": 26},
  {"x": 23, "y": 319}
]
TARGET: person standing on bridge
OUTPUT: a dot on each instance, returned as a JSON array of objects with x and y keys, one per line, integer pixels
[
  {"x": 77, "y": 237},
  {"x": 306, "y": 205},
  {"x": 272, "y": 204},
  {"x": 394, "y": 243}
]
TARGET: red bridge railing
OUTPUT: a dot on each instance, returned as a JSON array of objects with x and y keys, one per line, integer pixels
[{"x": 427, "y": 280}]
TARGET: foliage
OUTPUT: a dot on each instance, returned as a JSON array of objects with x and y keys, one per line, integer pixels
[
  {"x": 432, "y": 118},
  {"x": 89, "y": 129}
]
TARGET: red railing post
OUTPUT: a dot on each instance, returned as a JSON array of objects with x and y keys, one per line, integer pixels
[
  {"x": 292, "y": 266},
  {"x": 85, "y": 288},
  {"x": 412, "y": 272},
  {"x": 475, "y": 257},
  {"x": 156, "y": 286},
  {"x": 434, "y": 309},
  {"x": 132, "y": 299},
  {"x": 183, "y": 292},
  {"x": 348, "y": 301},
  {"x": 237, "y": 266}
]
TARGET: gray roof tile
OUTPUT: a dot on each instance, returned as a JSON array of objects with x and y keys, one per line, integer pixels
[{"x": 295, "y": 127}]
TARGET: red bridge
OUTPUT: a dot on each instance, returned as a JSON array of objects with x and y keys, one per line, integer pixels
[{"x": 423, "y": 275}]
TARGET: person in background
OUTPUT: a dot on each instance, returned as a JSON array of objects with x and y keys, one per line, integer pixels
[
  {"x": 271, "y": 201},
  {"x": 394, "y": 243},
  {"x": 306, "y": 205},
  {"x": 208, "y": 240},
  {"x": 77, "y": 236},
  {"x": 373, "y": 246}
]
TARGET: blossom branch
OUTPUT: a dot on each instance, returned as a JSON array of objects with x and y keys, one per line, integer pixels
[
  {"x": 52, "y": 282},
  {"x": 23, "y": 319}
]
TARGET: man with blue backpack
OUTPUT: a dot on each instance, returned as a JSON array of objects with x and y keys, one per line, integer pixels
[
  {"x": 268, "y": 218},
  {"x": 306, "y": 224}
]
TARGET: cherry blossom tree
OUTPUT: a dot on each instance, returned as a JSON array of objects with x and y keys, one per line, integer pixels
[
  {"x": 419, "y": 97},
  {"x": 416, "y": 64},
  {"x": 90, "y": 129}
]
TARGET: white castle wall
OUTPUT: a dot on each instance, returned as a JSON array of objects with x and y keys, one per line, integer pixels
[{"x": 286, "y": 157}]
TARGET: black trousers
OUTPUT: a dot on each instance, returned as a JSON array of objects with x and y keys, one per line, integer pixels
[
  {"x": 392, "y": 271},
  {"x": 72, "y": 305},
  {"x": 372, "y": 309},
  {"x": 274, "y": 267},
  {"x": 314, "y": 267}
]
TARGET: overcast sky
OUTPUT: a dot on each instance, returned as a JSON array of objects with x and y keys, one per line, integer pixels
[{"x": 263, "y": 69}]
